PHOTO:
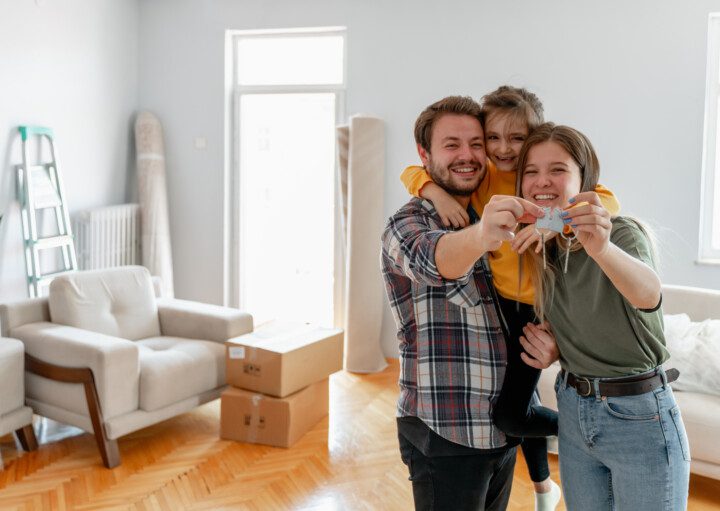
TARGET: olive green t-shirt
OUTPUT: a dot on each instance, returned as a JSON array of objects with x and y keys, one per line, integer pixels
[{"x": 599, "y": 333}]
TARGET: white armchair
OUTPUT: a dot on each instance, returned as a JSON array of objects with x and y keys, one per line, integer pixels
[
  {"x": 103, "y": 354},
  {"x": 14, "y": 415}
]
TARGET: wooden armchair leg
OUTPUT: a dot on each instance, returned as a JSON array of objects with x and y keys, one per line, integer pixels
[
  {"x": 26, "y": 436},
  {"x": 108, "y": 451},
  {"x": 108, "y": 448}
]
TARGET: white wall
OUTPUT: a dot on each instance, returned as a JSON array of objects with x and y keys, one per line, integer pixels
[
  {"x": 70, "y": 65},
  {"x": 629, "y": 74}
]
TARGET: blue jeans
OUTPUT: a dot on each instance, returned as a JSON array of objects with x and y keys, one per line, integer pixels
[{"x": 627, "y": 453}]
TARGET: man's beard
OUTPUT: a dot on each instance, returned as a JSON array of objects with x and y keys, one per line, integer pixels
[{"x": 444, "y": 179}]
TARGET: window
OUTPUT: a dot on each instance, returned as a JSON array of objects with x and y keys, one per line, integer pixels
[
  {"x": 310, "y": 59},
  {"x": 710, "y": 193},
  {"x": 287, "y": 96}
]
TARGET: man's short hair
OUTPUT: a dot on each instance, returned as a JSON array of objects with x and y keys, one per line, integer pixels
[{"x": 459, "y": 105}]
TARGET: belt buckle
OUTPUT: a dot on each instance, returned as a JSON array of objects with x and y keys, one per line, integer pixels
[{"x": 578, "y": 379}]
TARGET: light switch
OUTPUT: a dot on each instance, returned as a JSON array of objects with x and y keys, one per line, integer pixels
[{"x": 200, "y": 143}]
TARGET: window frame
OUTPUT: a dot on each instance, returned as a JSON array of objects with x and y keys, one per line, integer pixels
[
  {"x": 711, "y": 148},
  {"x": 233, "y": 269}
]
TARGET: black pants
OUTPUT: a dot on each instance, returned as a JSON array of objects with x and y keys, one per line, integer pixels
[
  {"x": 450, "y": 477},
  {"x": 513, "y": 412}
]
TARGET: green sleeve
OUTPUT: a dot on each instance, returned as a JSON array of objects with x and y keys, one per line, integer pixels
[{"x": 628, "y": 235}]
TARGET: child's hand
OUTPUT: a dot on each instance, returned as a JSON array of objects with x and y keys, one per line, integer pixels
[
  {"x": 527, "y": 236},
  {"x": 450, "y": 210}
]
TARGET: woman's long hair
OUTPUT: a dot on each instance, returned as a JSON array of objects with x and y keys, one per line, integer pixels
[
  {"x": 582, "y": 152},
  {"x": 578, "y": 146}
]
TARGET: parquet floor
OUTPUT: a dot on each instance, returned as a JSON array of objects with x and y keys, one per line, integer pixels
[{"x": 349, "y": 461}]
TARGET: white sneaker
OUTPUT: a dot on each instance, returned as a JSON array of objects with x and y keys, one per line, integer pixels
[{"x": 548, "y": 501}]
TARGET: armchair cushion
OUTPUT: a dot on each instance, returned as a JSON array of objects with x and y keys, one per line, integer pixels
[
  {"x": 118, "y": 301},
  {"x": 19, "y": 313},
  {"x": 172, "y": 369},
  {"x": 113, "y": 361},
  {"x": 13, "y": 412},
  {"x": 196, "y": 320}
]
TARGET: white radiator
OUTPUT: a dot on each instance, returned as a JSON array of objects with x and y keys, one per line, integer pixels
[{"x": 108, "y": 236}]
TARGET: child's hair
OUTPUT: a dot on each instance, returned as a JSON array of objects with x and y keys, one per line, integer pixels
[
  {"x": 458, "y": 105},
  {"x": 578, "y": 146},
  {"x": 520, "y": 104}
]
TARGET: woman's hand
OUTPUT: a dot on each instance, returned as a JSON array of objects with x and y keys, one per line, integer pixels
[
  {"x": 450, "y": 210},
  {"x": 591, "y": 223},
  {"x": 527, "y": 236},
  {"x": 539, "y": 344}
]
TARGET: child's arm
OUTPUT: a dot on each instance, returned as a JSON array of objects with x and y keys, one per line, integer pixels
[{"x": 419, "y": 183}]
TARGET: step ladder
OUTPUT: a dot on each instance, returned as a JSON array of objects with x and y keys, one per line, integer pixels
[{"x": 40, "y": 188}]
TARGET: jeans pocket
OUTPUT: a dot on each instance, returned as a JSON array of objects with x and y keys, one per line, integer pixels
[
  {"x": 680, "y": 430},
  {"x": 406, "y": 453},
  {"x": 416, "y": 462},
  {"x": 643, "y": 407}
]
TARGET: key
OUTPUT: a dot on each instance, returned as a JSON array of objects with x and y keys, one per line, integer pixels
[
  {"x": 552, "y": 221},
  {"x": 569, "y": 239}
]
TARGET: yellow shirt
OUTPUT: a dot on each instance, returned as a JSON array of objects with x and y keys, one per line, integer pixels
[{"x": 504, "y": 263}]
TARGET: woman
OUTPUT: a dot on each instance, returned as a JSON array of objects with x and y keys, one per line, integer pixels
[{"x": 622, "y": 442}]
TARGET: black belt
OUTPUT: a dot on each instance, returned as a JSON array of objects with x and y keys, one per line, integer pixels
[{"x": 630, "y": 386}]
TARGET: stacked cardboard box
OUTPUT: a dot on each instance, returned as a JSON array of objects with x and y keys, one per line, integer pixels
[{"x": 279, "y": 382}]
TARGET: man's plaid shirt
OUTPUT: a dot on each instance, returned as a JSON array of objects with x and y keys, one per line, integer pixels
[{"x": 452, "y": 349}]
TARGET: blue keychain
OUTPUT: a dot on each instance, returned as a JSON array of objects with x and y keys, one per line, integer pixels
[{"x": 553, "y": 222}]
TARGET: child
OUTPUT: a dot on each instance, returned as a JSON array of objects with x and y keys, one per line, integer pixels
[{"x": 509, "y": 115}]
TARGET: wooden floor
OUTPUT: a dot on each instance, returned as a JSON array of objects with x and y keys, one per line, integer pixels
[{"x": 349, "y": 461}]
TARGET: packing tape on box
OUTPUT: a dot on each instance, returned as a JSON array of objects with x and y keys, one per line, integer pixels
[
  {"x": 254, "y": 417},
  {"x": 251, "y": 368}
]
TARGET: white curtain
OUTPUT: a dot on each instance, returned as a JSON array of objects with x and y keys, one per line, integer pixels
[
  {"x": 361, "y": 169},
  {"x": 152, "y": 195}
]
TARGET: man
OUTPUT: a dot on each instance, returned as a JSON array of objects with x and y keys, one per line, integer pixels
[{"x": 452, "y": 352}]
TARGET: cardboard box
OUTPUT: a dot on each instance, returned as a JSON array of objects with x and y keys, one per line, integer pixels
[
  {"x": 281, "y": 358},
  {"x": 259, "y": 419}
]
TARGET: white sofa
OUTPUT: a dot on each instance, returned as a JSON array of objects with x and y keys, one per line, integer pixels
[
  {"x": 14, "y": 415},
  {"x": 104, "y": 355},
  {"x": 701, "y": 412}
]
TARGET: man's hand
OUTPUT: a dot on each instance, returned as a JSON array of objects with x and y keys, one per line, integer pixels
[
  {"x": 539, "y": 343},
  {"x": 500, "y": 218}
]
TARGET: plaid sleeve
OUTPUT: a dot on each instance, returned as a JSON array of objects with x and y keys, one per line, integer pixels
[
  {"x": 465, "y": 292},
  {"x": 408, "y": 248}
]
